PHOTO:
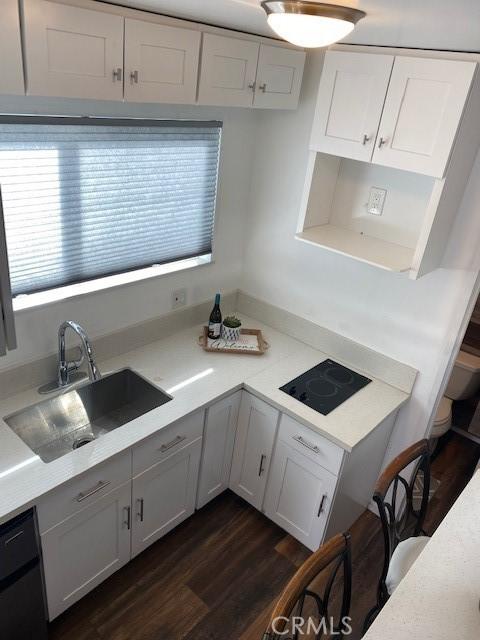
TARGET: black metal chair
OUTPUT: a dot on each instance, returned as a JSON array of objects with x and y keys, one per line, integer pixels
[
  {"x": 402, "y": 504},
  {"x": 302, "y": 610}
]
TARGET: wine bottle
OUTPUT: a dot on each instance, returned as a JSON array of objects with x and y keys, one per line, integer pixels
[{"x": 215, "y": 322}]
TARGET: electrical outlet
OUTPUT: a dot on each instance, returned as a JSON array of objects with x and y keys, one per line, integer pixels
[
  {"x": 376, "y": 201},
  {"x": 179, "y": 298}
]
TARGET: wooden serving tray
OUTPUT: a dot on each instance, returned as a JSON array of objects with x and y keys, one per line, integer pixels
[{"x": 254, "y": 344}]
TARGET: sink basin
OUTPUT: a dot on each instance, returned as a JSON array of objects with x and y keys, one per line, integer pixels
[{"x": 55, "y": 427}]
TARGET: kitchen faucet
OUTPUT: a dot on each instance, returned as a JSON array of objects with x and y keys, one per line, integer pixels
[{"x": 64, "y": 366}]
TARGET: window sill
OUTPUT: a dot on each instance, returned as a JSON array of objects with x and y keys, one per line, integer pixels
[{"x": 44, "y": 298}]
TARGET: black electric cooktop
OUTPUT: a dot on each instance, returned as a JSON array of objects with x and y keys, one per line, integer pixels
[{"x": 325, "y": 386}]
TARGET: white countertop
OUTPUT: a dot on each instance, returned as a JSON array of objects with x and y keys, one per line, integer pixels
[
  {"x": 195, "y": 379},
  {"x": 439, "y": 597}
]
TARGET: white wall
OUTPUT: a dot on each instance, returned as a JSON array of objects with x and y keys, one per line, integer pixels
[
  {"x": 107, "y": 311},
  {"x": 416, "y": 322}
]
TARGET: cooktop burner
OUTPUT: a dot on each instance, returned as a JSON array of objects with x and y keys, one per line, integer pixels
[{"x": 325, "y": 386}]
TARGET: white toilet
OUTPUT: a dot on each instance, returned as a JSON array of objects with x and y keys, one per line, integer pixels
[{"x": 464, "y": 383}]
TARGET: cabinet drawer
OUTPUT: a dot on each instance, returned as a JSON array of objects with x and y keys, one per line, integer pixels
[
  {"x": 311, "y": 444},
  {"x": 167, "y": 442},
  {"x": 74, "y": 496}
]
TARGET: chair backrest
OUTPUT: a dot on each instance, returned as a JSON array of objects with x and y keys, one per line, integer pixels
[
  {"x": 401, "y": 495},
  {"x": 298, "y": 597}
]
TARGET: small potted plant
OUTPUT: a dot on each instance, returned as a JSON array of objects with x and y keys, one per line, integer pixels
[{"x": 231, "y": 329}]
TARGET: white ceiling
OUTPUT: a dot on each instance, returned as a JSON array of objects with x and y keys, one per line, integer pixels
[{"x": 428, "y": 24}]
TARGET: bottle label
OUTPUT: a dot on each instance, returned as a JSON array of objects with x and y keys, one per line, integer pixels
[{"x": 214, "y": 328}]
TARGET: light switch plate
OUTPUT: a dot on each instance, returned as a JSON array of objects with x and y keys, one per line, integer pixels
[{"x": 376, "y": 201}]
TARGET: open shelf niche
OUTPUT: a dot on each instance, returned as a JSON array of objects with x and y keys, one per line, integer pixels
[{"x": 334, "y": 212}]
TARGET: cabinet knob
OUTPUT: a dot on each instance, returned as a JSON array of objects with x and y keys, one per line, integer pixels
[
  {"x": 134, "y": 77},
  {"x": 381, "y": 142},
  {"x": 366, "y": 139}
]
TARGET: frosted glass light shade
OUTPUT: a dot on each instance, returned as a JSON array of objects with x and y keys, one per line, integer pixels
[
  {"x": 310, "y": 24},
  {"x": 309, "y": 31}
]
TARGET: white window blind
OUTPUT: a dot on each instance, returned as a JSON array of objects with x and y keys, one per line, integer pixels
[{"x": 85, "y": 198}]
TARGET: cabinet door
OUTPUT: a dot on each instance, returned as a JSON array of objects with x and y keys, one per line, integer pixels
[
  {"x": 73, "y": 52},
  {"x": 299, "y": 495},
  {"x": 228, "y": 71},
  {"x": 424, "y": 106},
  {"x": 164, "y": 495},
  {"x": 79, "y": 553},
  {"x": 161, "y": 63},
  {"x": 11, "y": 65},
  {"x": 218, "y": 441},
  {"x": 279, "y": 78},
  {"x": 257, "y": 425},
  {"x": 349, "y": 104}
]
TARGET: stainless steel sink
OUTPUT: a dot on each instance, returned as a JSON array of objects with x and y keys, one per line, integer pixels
[{"x": 72, "y": 419}]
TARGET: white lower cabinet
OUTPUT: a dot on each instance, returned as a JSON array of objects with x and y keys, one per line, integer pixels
[
  {"x": 218, "y": 442},
  {"x": 257, "y": 426},
  {"x": 164, "y": 495},
  {"x": 93, "y": 525},
  {"x": 79, "y": 553},
  {"x": 299, "y": 495},
  {"x": 302, "y": 482}
]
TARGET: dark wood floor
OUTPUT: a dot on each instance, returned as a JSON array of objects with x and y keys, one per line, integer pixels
[{"x": 218, "y": 574}]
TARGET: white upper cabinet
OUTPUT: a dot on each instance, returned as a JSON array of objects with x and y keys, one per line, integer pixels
[
  {"x": 73, "y": 52},
  {"x": 279, "y": 77},
  {"x": 161, "y": 63},
  {"x": 257, "y": 426},
  {"x": 405, "y": 117},
  {"x": 228, "y": 72},
  {"x": 349, "y": 104},
  {"x": 423, "y": 109},
  {"x": 11, "y": 66}
]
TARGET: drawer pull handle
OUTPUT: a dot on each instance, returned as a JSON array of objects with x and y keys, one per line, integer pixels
[
  {"x": 14, "y": 537},
  {"x": 117, "y": 74},
  {"x": 140, "y": 511},
  {"x": 322, "y": 504},
  {"x": 173, "y": 443},
  {"x": 98, "y": 487},
  {"x": 127, "y": 522},
  {"x": 262, "y": 460},
  {"x": 307, "y": 444}
]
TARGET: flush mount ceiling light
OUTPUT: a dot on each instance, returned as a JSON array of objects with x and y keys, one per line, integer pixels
[{"x": 311, "y": 24}]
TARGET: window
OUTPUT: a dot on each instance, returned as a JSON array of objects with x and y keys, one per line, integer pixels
[{"x": 86, "y": 198}]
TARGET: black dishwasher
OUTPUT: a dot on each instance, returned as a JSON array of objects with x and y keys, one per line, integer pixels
[{"x": 22, "y": 603}]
